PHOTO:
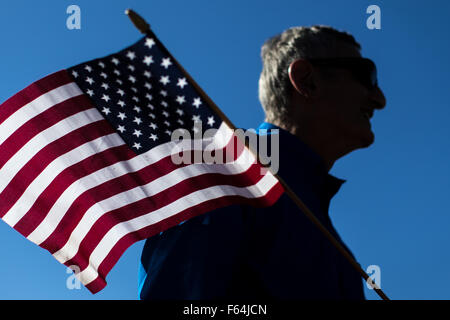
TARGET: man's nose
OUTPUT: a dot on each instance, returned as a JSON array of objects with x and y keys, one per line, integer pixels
[{"x": 377, "y": 98}]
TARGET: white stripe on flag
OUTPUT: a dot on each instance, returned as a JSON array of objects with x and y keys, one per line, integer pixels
[
  {"x": 44, "y": 138},
  {"x": 45, "y": 178},
  {"x": 37, "y": 106},
  {"x": 141, "y": 192},
  {"x": 59, "y": 209},
  {"x": 120, "y": 230}
]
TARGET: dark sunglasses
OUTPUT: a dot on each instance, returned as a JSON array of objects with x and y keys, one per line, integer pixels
[{"x": 362, "y": 68}]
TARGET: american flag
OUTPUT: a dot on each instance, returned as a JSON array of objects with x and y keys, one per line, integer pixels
[{"x": 86, "y": 159}]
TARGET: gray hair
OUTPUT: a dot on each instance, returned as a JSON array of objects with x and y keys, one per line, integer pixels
[{"x": 278, "y": 52}]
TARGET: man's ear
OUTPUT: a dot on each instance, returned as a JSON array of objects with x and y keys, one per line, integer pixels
[{"x": 301, "y": 77}]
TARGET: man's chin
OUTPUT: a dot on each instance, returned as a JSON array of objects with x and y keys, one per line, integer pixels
[{"x": 367, "y": 140}]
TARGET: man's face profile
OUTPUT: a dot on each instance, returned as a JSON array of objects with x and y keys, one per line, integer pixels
[
  {"x": 329, "y": 93},
  {"x": 345, "y": 105}
]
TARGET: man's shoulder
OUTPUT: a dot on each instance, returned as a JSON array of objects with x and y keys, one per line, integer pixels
[
  {"x": 230, "y": 221},
  {"x": 232, "y": 216}
]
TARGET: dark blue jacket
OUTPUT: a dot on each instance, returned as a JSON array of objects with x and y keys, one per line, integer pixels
[{"x": 243, "y": 252}]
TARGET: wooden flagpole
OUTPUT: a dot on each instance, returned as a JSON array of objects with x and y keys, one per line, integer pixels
[{"x": 144, "y": 28}]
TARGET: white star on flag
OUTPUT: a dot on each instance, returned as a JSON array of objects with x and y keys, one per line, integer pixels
[
  {"x": 149, "y": 42},
  {"x": 137, "y": 133},
  {"x": 182, "y": 82},
  {"x": 197, "y": 102},
  {"x": 181, "y": 99},
  {"x": 121, "y": 115},
  {"x": 106, "y": 110},
  {"x": 137, "y": 145},
  {"x": 148, "y": 60},
  {"x": 166, "y": 62},
  {"x": 164, "y": 80},
  {"x": 211, "y": 121},
  {"x": 131, "y": 55}
]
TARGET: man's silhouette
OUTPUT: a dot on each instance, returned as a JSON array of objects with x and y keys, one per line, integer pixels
[{"x": 321, "y": 94}]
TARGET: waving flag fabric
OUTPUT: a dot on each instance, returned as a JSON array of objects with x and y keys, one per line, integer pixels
[{"x": 87, "y": 162}]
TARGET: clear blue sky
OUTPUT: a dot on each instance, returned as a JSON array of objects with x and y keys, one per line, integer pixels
[{"x": 392, "y": 212}]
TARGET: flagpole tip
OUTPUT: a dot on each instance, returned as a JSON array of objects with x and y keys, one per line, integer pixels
[{"x": 138, "y": 21}]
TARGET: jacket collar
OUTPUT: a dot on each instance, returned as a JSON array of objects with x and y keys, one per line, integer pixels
[{"x": 298, "y": 162}]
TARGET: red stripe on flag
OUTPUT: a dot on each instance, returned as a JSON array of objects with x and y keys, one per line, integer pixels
[
  {"x": 39, "y": 123},
  {"x": 103, "y": 191},
  {"x": 155, "y": 202},
  {"x": 33, "y": 91},
  {"x": 119, "y": 248},
  {"x": 45, "y": 156},
  {"x": 55, "y": 189}
]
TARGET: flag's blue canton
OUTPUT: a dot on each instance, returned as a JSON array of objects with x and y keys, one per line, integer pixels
[{"x": 142, "y": 93}]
